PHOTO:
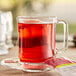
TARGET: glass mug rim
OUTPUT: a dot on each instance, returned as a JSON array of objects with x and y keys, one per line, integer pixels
[{"x": 42, "y": 19}]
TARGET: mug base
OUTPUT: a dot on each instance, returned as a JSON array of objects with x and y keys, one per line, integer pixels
[{"x": 36, "y": 67}]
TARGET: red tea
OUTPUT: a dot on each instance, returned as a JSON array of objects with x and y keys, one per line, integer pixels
[{"x": 35, "y": 42}]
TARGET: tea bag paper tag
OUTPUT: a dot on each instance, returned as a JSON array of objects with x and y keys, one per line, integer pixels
[
  {"x": 66, "y": 67},
  {"x": 69, "y": 70}
]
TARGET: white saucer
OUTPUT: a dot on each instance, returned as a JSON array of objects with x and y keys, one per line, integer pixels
[{"x": 14, "y": 63}]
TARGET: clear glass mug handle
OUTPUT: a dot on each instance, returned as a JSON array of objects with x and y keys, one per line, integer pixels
[{"x": 65, "y": 45}]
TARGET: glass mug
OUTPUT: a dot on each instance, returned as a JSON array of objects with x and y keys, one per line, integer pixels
[{"x": 37, "y": 41}]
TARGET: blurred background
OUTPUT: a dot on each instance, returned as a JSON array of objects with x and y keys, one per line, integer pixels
[{"x": 63, "y": 9}]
